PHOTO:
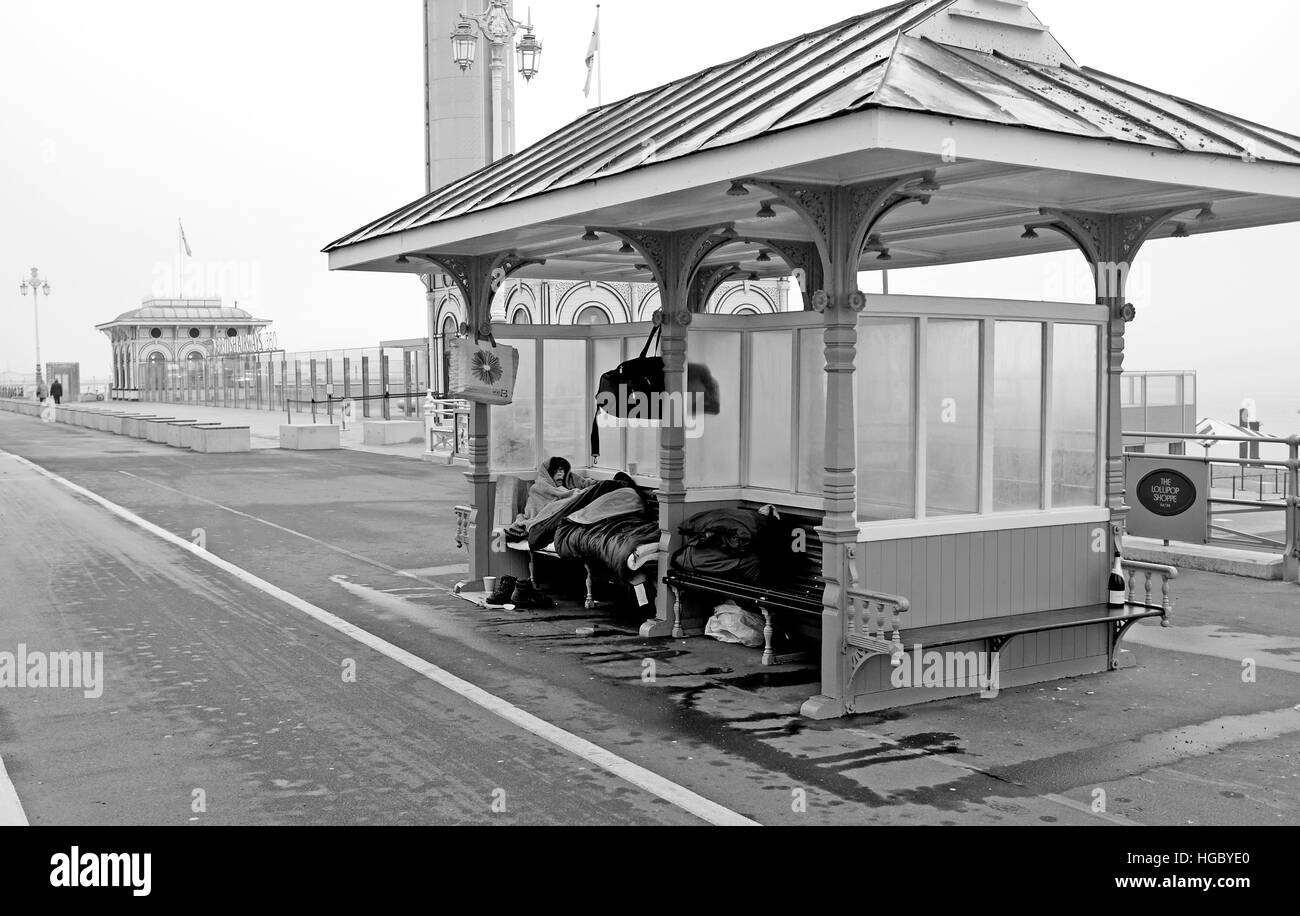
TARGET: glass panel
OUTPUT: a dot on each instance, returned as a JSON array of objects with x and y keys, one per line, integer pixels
[
  {"x": 566, "y": 414},
  {"x": 513, "y": 431},
  {"x": 1162, "y": 390},
  {"x": 1128, "y": 391},
  {"x": 1017, "y": 416},
  {"x": 642, "y": 435},
  {"x": 886, "y": 394},
  {"x": 608, "y": 353},
  {"x": 713, "y": 439},
  {"x": 1074, "y": 410},
  {"x": 771, "y": 429},
  {"x": 952, "y": 412},
  {"x": 812, "y": 410}
]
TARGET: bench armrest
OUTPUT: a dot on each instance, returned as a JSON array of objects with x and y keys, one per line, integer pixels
[
  {"x": 872, "y": 622},
  {"x": 1167, "y": 576}
]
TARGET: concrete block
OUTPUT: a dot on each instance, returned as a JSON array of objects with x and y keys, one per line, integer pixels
[
  {"x": 1213, "y": 558},
  {"x": 156, "y": 430},
  {"x": 189, "y": 436},
  {"x": 309, "y": 437},
  {"x": 112, "y": 423},
  {"x": 222, "y": 439},
  {"x": 391, "y": 432},
  {"x": 134, "y": 425},
  {"x": 171, "y": 434}
]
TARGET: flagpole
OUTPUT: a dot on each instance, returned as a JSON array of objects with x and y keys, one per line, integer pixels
[
  {"x": 180, "y": 261},
  {"x": 600, "y": 63}
]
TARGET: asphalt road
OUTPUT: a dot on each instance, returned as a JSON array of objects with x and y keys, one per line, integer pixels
[{"x": 225, "y": 704}]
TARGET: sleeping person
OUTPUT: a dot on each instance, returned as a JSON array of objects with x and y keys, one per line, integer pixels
[{"x": 556, "y": 491}]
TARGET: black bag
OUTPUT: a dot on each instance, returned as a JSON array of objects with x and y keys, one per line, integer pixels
[
  {"x": 642, "y": 376},
  {"x": 640, "y": 381}
]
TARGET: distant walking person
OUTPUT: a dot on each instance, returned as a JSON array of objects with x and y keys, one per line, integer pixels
[{"x": 56, "y": 391}]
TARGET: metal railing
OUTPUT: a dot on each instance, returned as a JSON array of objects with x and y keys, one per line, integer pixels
[{"x": 1256, "y": 486}]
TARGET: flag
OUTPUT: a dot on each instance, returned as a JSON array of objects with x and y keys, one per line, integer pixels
[
  {"x": 592, "y": 50},
  {"x": 185, "y": 241}
]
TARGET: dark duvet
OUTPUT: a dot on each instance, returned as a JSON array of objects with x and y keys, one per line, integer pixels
[{"x": 608, "y": 543}]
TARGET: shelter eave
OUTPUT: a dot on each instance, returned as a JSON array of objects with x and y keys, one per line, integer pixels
[{"x": 1106, "y": 175}]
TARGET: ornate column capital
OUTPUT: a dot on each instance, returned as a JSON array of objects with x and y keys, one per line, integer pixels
[{"x": 1111, "y": 243}]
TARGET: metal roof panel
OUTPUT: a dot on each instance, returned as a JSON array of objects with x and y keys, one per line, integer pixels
[{"x": 868, "y": 60}]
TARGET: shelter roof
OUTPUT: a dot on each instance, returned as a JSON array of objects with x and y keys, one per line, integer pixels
[{"x": 985, "y": 66}]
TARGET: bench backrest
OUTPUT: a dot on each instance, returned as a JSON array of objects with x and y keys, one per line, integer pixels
[{"x": 803, "y": 575}]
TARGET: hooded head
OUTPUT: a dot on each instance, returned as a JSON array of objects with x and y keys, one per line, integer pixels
[{"x": 558, "y": 470}]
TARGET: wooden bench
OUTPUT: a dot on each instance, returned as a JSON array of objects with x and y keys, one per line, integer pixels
[
  {"x": 871, "y": 617},
  {"x": 636, "y": 562},
  {"x": 800, "y": 594},
  {"x": 512, "y": 494}
]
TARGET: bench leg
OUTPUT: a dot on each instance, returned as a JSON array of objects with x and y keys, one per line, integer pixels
[
  {"x": 767, "y": 635},
  {"x": 677, "y": 614},
  {"x": 591, "y": 597},
  {"x": 1119, "y": 629}
]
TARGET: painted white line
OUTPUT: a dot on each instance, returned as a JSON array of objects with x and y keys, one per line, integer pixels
[
  {"x": 697, "y": 805},
  {"x": 438, "y": 570},
  {"x": 11, "y": 809}
]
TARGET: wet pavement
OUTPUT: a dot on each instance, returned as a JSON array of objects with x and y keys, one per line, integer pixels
[{"x": 216, "y": 686}]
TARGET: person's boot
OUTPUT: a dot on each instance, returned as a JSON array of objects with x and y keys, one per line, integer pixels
[
  {"x": 527, "y": 595},
  {"x": 505, "y": 588}
]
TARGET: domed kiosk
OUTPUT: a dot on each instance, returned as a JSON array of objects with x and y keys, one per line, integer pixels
[{"x": 165, "y": 342}]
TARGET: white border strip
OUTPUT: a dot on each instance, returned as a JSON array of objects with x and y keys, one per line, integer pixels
[{"x": 657, "y": 785}]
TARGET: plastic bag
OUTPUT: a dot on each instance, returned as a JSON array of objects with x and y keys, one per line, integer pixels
[
  {"x": 483, "y": 372},
  {"x": 731, "y": 623}
]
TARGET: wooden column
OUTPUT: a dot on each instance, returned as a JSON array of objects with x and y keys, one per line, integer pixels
[
  {"x": 674, "y": 259},
  {"x": 839, "y": 220},
  {"x": 1111, "y": 243},
  {"x": 477, "y": 278}
]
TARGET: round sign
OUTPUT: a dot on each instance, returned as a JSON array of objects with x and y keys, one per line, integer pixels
[{"x": 1166, "y": 492}]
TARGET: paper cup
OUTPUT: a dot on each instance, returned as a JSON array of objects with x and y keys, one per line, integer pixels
[{"x": 489, "y": 584}]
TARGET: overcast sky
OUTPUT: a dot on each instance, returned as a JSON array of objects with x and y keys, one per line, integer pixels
[{"x": 275, "y": 126}]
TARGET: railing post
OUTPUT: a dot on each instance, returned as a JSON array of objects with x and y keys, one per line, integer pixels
[
  {"x": 365, "y": 386},
  {"x": 383, "y": 376},
  {"x": 1291, "y": 557}
]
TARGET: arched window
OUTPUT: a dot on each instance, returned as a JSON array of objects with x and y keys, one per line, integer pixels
[
  {"x": 194, "y": 367},
  {"x": 521, "y": 316},
  {"x": 156, "y": 372},
  {"x": 745, "y": 310},
  {"x": 591, "y": 314},
  {"x": 449, "y": 327}
]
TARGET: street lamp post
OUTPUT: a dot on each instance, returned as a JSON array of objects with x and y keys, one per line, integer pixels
[
  {"x": 499, "y": 29},
  {"x": 37, "y": 286}
]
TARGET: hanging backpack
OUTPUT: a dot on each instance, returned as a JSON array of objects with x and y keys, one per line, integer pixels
[
  {"x": 628, "y": 388},
  {"x": 633, "y": 386}
]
